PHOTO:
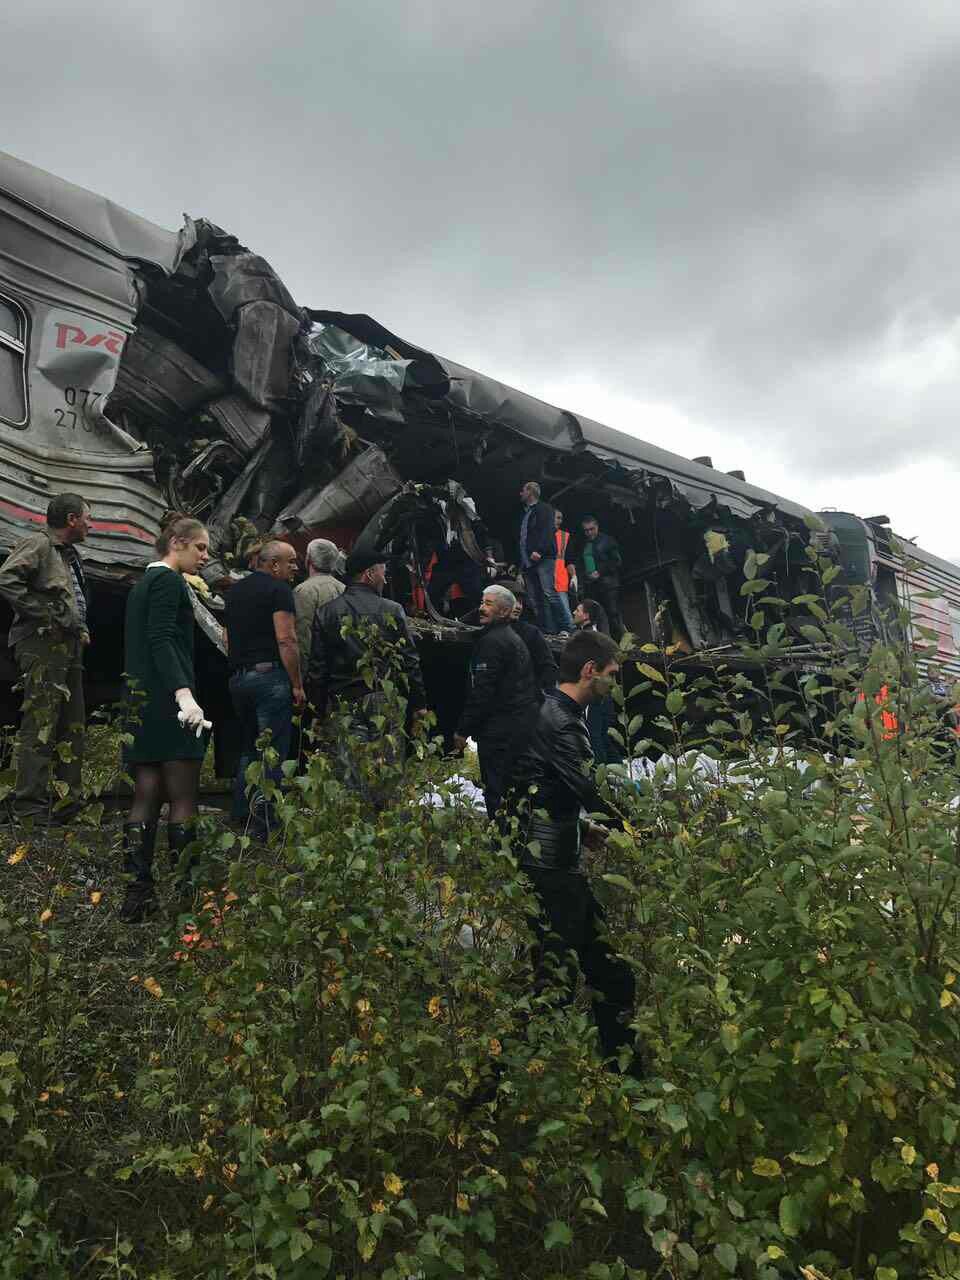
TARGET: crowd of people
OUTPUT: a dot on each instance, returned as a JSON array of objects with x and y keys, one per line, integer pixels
[{"x": 304, "y": 652}]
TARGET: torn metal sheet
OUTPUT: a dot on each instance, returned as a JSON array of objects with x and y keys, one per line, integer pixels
[
  {"x": 261, "y": 360},
  {"x": 242, "y": 278},
  {"x": 243, "y": 423},
  {"x": 356, "y": 495},
  {"x": 159, "y": 382}
]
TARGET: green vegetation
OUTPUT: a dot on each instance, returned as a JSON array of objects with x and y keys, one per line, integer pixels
[{"x": 279, "y": 1090}]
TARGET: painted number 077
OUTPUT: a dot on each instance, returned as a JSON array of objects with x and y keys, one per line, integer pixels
[{"x": 76, "y": 398}]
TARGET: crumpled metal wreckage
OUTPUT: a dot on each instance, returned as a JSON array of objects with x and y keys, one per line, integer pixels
[{"x": 155, "y": 370}]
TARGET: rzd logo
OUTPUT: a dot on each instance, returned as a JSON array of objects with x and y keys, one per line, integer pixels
[{"x": 111, "y": 340}]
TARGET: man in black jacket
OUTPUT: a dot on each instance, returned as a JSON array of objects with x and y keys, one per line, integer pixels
[
  {"x": 598, "y": 572},
  {"x": 543, "y": 661},
  {"x": 501, "y": 700},
  {"x": 558, "y": 765},
  {"x": 335, "y": 677},
  {"x": 538, "y": 555}
]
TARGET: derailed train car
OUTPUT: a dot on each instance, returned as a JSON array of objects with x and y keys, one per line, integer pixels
[{"x": 153, "y": 370}]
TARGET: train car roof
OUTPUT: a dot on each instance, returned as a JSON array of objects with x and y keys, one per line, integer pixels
[
  {"x": 493, "y": 403},
  {"x": 90, "y": 215}
]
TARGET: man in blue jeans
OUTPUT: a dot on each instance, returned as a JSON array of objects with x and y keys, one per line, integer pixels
[
  {"x": 265, "y": 681},
  {"x": 538, "y": 556}
]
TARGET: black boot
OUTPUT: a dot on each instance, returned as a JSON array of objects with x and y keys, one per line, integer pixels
[
  {"x": 138, "y": 842},
  {"x": 179, "y": 835}
]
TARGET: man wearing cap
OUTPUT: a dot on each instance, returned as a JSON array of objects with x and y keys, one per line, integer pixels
[
  {"x": 322, "y": 557},
  {"x": 335, "y": 678}
]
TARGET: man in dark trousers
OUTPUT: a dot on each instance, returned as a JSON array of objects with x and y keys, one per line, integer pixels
[
  {"x": 598, "y": 573},
  {"x": 543, "y": 661},
  {"x": 501, "y": 698},
  {"x": 538, "y": 555},
  {"x": 558, "y": 767},
  {"x": 334, "y": 676},
  {"x": 266, "y": 686},
  {"x": 42, "y": 580}
]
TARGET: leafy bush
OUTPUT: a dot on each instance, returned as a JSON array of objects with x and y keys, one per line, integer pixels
[{"x": 280, "y": 1086}]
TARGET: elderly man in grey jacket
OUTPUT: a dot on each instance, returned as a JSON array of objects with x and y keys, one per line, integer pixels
[
  {"x": 42, "y": 580},
  {"x": 322, "y": 557}
]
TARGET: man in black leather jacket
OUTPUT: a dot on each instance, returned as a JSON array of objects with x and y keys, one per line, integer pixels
[
  {"x": 501, "y": 700},
  {"x": 558, "y": 766},
  {"x": 334, "y": 677}
]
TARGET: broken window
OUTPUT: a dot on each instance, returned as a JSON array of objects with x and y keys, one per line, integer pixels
[{"x": 13, "y": 363}]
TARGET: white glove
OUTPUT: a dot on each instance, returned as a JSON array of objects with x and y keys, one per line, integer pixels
[{"x": 190, "y": 714}]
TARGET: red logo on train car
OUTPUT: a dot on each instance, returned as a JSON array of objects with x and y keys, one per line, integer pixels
[{"x": 112, "y": 340}]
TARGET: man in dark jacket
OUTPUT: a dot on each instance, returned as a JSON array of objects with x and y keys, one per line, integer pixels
[
  {"x": 501, "y": 700},
  {"x": 598, "y": 572},
  {"x": 42, "y": 580},
  {"x": 543, "y": 662},
  {"x": 538, "y": 555},
  {"x": 558, "y": 765},
  {"x": 335, "y": 678}
]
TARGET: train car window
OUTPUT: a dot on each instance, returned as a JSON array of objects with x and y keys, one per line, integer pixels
[{"x": 13, "y": 363}]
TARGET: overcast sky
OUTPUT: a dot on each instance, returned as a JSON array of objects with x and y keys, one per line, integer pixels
[{"x": 726, "y": 226}]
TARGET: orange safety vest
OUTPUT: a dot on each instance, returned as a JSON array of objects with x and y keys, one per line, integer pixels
[
  {"x": 891, "y": 726},
  {"x": 419, "y": 595},
  {"x": 561, "y": 574}
]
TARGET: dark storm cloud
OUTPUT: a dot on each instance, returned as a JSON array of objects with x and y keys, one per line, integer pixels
[{"x": 746, "y": 211}]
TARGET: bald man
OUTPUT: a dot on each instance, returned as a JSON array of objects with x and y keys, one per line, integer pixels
[{"x": 265, "y": 681}]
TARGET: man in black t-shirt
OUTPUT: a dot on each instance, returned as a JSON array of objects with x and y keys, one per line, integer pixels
[{"x": 265, "y": 681}]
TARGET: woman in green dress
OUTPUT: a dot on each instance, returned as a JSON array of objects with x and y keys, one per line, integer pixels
[{"x": 168, "y": 743}]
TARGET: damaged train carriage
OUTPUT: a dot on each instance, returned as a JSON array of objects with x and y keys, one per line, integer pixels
[{"x": 153, "y": 370}]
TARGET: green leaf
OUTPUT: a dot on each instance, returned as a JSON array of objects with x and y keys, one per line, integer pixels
[
  {"x": 755, "y": 586},
  {"x": 551, "y": 1126},
  {"x": 726, "y": 1255},
  {"x": 689, "y": 1255},
  {"x": 812, "y": 633},
  {"x": 620, "y": 881},
  {"x": 674, "y": 702},
  {"x": 300, "y": 1243},
  {"x": 650, "y": 1203},
  {"x": 792, "y": 1215},
  {"x": 319, "y": 1159},
  {"x": 675, "y": 1116},
  {"x": 651, "y": 672},
  {"x": 557, "y": 1234},
  {"x": 298, "y": 1198},
  {"x": 730, "y": 1036}
]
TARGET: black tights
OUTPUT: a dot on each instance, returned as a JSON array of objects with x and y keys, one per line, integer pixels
[{"x": 176, "y": 781}]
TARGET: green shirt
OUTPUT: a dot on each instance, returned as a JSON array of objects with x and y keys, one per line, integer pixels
[{"x": 588, "y": 561}]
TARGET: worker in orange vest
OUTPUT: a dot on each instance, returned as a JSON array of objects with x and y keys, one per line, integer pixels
[
  {"x": 891, "y": 726},
  {"x": 564, "y": 574}
]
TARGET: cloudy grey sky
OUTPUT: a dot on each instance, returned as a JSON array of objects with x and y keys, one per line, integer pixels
[{"x": 726, "y": 226}]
